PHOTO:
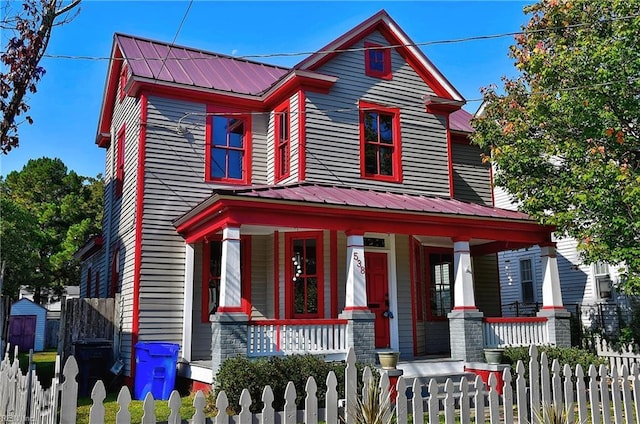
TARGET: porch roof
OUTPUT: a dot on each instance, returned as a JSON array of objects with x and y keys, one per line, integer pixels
[{"x": 308, "y": 205}]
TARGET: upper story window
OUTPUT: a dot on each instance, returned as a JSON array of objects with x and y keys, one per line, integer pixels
[
  {"x": 526, "y": 281},
  {"x": 603, "y": 279},
  {"x": 119, "y": 183},
  {"x": 380, "y": 152},
  {"x": 377, "y": 61},
  {"x": 282, "y": 142},
  {"x": 228, "y": 156}
]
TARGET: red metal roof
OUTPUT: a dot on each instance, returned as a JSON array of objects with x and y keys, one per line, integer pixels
[
  {"x": 197, "y": 68},
  {"x": 459, "y": 121},
  {"x": 357, "y": 197}
]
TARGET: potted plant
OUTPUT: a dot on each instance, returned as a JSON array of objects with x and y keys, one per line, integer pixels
[
  {"x": 388, "y": 359},
  {"x": 493, "y": 355}
]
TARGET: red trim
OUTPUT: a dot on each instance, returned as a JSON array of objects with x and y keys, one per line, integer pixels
[
  {"x": 495, "y": 247},
  {"x": 333, "y": 271},
  {"x": 356, "y": 308},
  {"x": 245, "y": 276},
  {"x": 221, "y": 99},
  {"x": 246, "y": 146},
  {"x": 103, "y": 138},
  {"x": 555, "y": 308},
  {"x": 516, "y": 320},
  {"x": 370, "y": 51},
  {"x": 351, "y": 232},
  {"x": 289, "y": 293},
  {"x": 200, "y": 386},
  {"x": 302, "y": 136},
  {"x": 450, "y": 158},
  {"x": 464, "y": 308},
  {"x": 396, "y": 176},
  {"x": 137, "y": 258},
  {"x": 229, "y": 309},
  {"x": 414, "y": 308},
  {"x": 120, "y": 161},
  {"x": 296, "y": 82},
  {"x": 282, "y": 111},
  {"x": 295, "y": 214},
  {"x": 320, "y": 321},
  {"x": 122, "y": 82},
  {"x": 276, "y": 274}
]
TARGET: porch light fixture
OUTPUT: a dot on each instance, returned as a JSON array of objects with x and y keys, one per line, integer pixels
[{"x": 297, "y": 263}]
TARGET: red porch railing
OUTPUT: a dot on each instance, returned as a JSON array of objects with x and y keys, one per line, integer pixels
[
  {"x": 296, "y": 336},
  {"x": 511, "y": 331}
]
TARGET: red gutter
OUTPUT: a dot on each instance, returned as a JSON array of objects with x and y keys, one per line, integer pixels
[
  {"x": 137, "y": 259},
  {"x": 515, "y": 320}
]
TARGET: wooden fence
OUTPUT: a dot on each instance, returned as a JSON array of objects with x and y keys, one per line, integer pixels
[
  {"x": 599, "y": 396},
  {"x": 628, "y": 354},
  {"x": 84, "y": 319}
]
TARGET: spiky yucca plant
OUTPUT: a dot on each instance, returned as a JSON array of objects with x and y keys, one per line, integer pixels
[
  {"x": 374, "y": 407},
  {"x": 551, "y": 414}
]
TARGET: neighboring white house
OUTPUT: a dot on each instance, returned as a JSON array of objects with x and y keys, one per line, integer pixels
[{"x": 586, "y": 289}]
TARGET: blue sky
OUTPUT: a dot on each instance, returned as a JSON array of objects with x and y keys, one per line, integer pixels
[{"x": 66, "y": 107}]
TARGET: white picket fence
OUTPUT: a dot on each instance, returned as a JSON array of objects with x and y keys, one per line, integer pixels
[
  {"x": 599, "y": 396},
  {"x": 626, "y": 355}
]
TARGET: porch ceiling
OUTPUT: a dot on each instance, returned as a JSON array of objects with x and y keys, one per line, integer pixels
[{"x": 314, "y": 206}]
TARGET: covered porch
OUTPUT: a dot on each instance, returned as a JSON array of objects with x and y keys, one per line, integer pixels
[{"x": 318, "y": 269}]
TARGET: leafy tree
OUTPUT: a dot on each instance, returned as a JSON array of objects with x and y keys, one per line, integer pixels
[
  {"x": 31, "y": 25},
  {"x": 56, "y": 211},
  {"x": 564, "y": 133}
]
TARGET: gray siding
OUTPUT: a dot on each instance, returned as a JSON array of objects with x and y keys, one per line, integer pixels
[
  {"x": 471, "y": 178},
  {"x": 403, "y": 278},
  {"x": 97, "y": 265},
  {"x": 260, "y": 246},
  {"x": 509, "y": 271},
  {"x": 342, "y": 269},
  {"x": 332, "y": 128},
  {"x": 487, "y": 285}
]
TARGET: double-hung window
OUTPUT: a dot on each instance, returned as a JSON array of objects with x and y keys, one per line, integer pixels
[
  {"x": 304, "y": 275},
  {"x": 526, "y": 281},
  {"x": 380, "y": 150},
  {"x": 377, "y": 61},
  {"x": 603, "y": 279},
  {"x": 282, "y": 142},
  {"x": 440, "y": 268},
  {"x": 228, "y": 156}
]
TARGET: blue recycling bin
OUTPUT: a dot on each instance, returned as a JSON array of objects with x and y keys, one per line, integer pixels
[{"x": 156, "y": 364}]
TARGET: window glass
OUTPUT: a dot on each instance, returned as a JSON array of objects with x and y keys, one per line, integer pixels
[
  {"x": 305, "y": 277},
  {"x": 379, "y": 146},
  {"x": 227, "y": 148},
  {"x": 215, "y": 274},
  {"x": 376, "y": 60},
  {"x": 440, "y": 284},
  {"x": 526, "y": 280}
]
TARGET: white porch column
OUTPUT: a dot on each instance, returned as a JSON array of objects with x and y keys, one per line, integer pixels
[
  {"x": 551, "y": 293},
  {"x": 187, "y": 319},
  {"x": 356, "y": 290},
  {"x": 230, "y": 281},
  {"x": 463, "y": 295}
]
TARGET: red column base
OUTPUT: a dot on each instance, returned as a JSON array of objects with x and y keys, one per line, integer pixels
[{"x": 484, "y": 375}]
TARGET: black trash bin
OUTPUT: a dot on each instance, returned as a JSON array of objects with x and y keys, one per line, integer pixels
[{"x": 94, "y": 357}]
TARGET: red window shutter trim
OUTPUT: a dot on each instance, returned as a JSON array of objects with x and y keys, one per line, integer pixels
[
  {"x": 396, "y": 176},
  {"x": 377, "y": 61}
]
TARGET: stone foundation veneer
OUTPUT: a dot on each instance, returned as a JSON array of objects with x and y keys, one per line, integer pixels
[
  {"x": 558, "y": 326},
  {"x": 466, "y": 335},
  {"x": 229, "y": 337},
  {"x": 361, "y": 334}
]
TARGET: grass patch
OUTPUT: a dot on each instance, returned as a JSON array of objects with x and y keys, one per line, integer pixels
[
  {"x": 44, "y": 362},
  {"x": 135, "y": 408}
]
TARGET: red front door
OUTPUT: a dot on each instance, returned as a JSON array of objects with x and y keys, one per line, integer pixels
[{"x": 378, "y": 295}]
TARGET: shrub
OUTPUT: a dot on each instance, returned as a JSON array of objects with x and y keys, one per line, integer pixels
[
  {"x": 565, "y": 355},
  {"x": 240, "y": 373}
]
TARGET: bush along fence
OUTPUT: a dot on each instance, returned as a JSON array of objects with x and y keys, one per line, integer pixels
[{"x": 599, "y": 396}]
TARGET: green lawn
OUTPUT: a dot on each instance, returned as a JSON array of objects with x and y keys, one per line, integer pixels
[{"x": 45, "y": 365}]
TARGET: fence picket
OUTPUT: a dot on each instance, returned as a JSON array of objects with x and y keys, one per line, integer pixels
[
  {"x": 199, "y": 402},
  {"x": 174, "y": 407},
  {"x": 268, "y": 414},
  {"x": 350, "y": 386},
  {"x": 636, "y": 391},
  {"x": 615, "y": 396},
  {"x": 604, "y": 394},
  {"x": 123, "y": 416},
  {"x": 626, "y": 395},
  {"x": 69, "y": 392},
  {"x": 433, "y": 404},
  {"x": 534, "y": 383},
  {"x": 401, "y": 402},
  {"x": 494, "y": 412},
  {"x": 311, "y": 402},
  {"x": 465, "y": 416},
  {"x": 96, "y": 412},
  {"x": 149, "y": 409},
  {"x": 568, "y": 392},
  {"x": 581, "y": 392},
  {"x": 594, "y": 394},
  {"x": 448, "y": 402},
  {"x": 478, "y": 400},
  {"x": 245, "y": 404},
  {"x": 521, "y": 393},
  {"x": 222, "y": 403},
  {"x": 331, "y": 398},
  {"x": 290, "y": 404},
  {"x": 507, "y": 396}
]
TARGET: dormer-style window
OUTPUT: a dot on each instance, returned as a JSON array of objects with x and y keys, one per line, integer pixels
[
  {"x": 228, "y": 157},
  {"x": 377, "y": 61},
  {"x": 282, "y": 142},
  {"x": 380, "y": 152}
]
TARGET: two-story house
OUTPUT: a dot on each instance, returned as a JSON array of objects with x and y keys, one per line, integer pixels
[{"x": 257, "y": 210}]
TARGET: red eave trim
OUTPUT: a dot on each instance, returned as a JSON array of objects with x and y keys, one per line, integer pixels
[
  {"x": 103, "y": 137},
  {"x": 297, "y": 82},
  {"x": 302, "y": 321}
]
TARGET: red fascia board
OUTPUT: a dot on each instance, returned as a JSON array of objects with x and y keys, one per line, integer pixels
[
  {"x": 181, "y": 92},
  {"x": 495, "y": 247},
  {"x": 294, "y": 322},
  {"x": 298, "y": 80},
  {"x": 258, "y": 212},
  {"x": 103, "y": 138}
]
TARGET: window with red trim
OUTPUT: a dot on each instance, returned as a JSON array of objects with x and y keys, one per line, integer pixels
[
  {"x": 439, "y": 276},
  {"x": 380, "y": 152},
  {"x": 282, "y": 142},
  {"x": 377, "y": 61},
  {"x": 212, "y": 272},
  {"x": 228, "y": 156},
  {"x": 115, "y": 273},
  {"x": 119, "y": 181},
  {"x": 89, "y": 282},
  {"x": 123, "y": 82},
  {"x": 304, "y": 276}
]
